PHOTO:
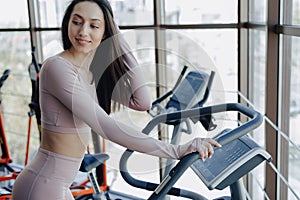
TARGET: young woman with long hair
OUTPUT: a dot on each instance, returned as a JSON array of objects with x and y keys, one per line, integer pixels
[{"x": 76, "y": 90}]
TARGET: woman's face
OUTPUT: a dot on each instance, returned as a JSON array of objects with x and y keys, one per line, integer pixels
[{"x": 86, "y": 27}]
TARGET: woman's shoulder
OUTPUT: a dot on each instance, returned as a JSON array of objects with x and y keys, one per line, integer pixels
[
  {"x": 57, "y": 66},
  {"x": 57, "y": 61}
]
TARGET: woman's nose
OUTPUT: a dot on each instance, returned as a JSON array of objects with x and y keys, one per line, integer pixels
[{"x": 83, "y": 30}]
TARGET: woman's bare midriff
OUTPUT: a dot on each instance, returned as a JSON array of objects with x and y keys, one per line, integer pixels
[{"x": 73, "y": 145}]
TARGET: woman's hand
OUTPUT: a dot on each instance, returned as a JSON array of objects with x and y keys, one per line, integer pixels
[{"x": 205, "y": 147}]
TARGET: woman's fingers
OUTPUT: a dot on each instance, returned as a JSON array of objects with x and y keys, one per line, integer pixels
[
  {"x": 210, "y": 151},
  {"x": 205, "y": 147},
  {"x": 203, "y": 153},
  {"x": 214, "y": 143}
]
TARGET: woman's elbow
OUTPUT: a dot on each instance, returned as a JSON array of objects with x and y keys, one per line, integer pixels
[
  {"x": 141, "y": 105},
  {"x": 146, "y": 105}
]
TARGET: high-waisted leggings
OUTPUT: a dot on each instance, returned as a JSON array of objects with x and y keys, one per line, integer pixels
[{"x": 47, "y": 177}]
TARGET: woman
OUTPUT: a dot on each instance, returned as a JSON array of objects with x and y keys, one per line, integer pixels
[{"x": 70, "y": 107}]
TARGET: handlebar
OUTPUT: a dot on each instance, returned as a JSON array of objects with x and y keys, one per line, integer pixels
[
  {"x": 256, "y": 119},
  {"x": 4, "y": 76},
  {"x": 254, "y": 122}
]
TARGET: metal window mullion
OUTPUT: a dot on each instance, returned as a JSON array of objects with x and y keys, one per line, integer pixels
[
  {"x": 272, "y": 75},
  {"x": 243, "y": 64},
  {"x": 34, "y": 19},
  {"x": 161, "y": 74},
  {"x": 284, "y": 110},
  {"x": 284, "y": 101}
]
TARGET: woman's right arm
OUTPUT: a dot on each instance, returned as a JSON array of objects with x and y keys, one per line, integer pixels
[{"x": 65, "y": 85}]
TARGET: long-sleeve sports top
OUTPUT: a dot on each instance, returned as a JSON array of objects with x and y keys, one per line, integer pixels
[{"x": 69, "y": 106}]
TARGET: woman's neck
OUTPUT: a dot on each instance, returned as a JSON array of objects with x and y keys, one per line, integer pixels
[{"x": 80, "y": 60}]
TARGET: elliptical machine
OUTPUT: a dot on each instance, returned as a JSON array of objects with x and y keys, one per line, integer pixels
[{"x": 237, "y": 157}]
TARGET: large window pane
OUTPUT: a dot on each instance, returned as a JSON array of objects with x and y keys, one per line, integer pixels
[
  {"x": 200, "y": 11},
  {"x": 221, "y": 47},
  {"x": 258, "y": 11},
  {"x": 128, "y": 12},
  {"x": 257, "y": 72},
  {"x": 51, "y": 12},
  {"x": 133, "y": 12},
  {"x": 295, "y": 12},
  {"x": 14, "y": 14},
  {"x": 52, "y": 43},
  {"x": 294, "y": 158},
  {"x": 257, "y": 63},
  {"x": 207, "y": 50},
  {"x": 16, "y": 92}
]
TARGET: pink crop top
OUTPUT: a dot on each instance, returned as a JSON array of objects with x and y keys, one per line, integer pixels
[{"x": 69, "y": 105}]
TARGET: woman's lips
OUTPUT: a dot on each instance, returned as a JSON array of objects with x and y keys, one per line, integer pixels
[{"x": 82, "y": 41}]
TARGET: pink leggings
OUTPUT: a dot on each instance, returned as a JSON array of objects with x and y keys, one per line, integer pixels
[{"x": 47, "y": 177}]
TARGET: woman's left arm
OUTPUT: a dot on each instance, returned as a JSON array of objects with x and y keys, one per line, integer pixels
[{"x": 139, "y": 96}]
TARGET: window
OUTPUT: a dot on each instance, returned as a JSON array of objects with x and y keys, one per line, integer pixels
[
  {"x": 257, "y": 68},
  {"x": 258, "y": 11},
  {"x": 133, "y": 12},
  {"x": 50, "y": 13},
  {"x": 294, "y": 153},
  {"x": 220, "y": 47},
  {"x": 52, "y": 43},
  {"x": 14, "y": 14},
  {"x": 295, "y": 12},
  {"x": 200, "y": 12},
  {"x": 16, "y": 91}
]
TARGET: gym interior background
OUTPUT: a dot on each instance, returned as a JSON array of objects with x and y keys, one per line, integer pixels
[{"x": 254, "y": 45}]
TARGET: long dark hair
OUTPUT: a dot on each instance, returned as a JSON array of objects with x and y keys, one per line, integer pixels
[{"x": 108, "y": 66}]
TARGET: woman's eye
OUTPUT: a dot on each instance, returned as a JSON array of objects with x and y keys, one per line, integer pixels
[
  {"x": 94, "y": 26},
  {"x": 76, "y": 22}
]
